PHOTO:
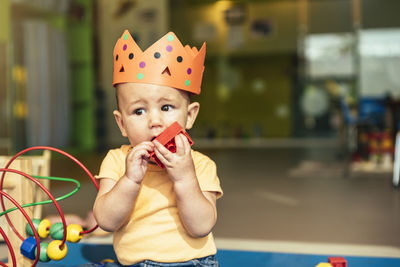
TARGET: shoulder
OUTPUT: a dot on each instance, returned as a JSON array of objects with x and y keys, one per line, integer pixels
[
  {"x": 116, "y": 157},
  {"x": 203, "y": 163},
  {"x": 206, "y": 172},
  {"x": 113, "y": 165},
  {"x": 118, "y": 153},
  {"x": 201, "y": 159}
]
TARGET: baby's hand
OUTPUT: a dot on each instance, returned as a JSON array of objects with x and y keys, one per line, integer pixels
[
  {"x": 180, "y": 164},
  {"x": 136, "y": 161}
]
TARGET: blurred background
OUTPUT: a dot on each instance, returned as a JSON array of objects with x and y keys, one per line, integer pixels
[
  {"x": 274, "y": 69},
  {"x": 300, "y": 103}
]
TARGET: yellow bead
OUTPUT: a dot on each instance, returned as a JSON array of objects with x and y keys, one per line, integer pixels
[
  {"x": 55, "y": 252},
  {"x": 74, "y": 233},
  {"x": 44, "y": 228}
]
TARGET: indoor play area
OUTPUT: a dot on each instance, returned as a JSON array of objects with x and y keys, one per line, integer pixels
[{"x": 299, "y": 111}]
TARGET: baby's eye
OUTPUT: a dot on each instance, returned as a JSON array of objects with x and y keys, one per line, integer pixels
[
  {"x": 166, "y": 107},
  {"x": 138, "y": 111}
]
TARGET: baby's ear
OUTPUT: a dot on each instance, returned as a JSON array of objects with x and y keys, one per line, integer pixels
[
  {"x": 120, "y": 122},
  {"x": 193, "y": 110}
]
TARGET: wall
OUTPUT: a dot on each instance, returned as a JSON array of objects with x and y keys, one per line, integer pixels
[
  {"x": 4, "y": 20},
  {"x": 250, "y": 65},
  {"x": 4, "y": 73},
  {"x": 380, "y": 14}
]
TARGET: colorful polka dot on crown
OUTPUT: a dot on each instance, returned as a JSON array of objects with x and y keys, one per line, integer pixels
[
  {"x": 125, "y": 46},
  {"x": 169, "y": 48},
  {"x": 130, "y": 55},
  {"x": 170, "y": 37},
  {"x": 125, "y": 36},
  {"x": 187, "y": 82},
  {"x": 140, "y": 76},
  {"x": 189, "y": 71},
  {"x": 142, "y": 64},
  {"x": 157, "y": 55},
  {"x": 179, "y": 59}
]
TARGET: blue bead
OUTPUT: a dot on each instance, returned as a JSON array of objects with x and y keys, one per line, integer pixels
[{"x": 28, "y": 247}]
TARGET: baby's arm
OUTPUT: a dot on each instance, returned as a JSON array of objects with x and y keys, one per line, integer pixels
[
  {"x": 197, "y": 209},
  {"x": 114, "y": 202},
  {"x": 115, "y": 199}
]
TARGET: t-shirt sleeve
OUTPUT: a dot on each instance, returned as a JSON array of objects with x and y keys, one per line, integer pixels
[
  {"x": 206, "y": 171},
  {"x": 113, "y": 165}
]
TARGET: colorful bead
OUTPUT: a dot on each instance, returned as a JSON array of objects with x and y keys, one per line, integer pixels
[
  {"x": 157, "y": 55},
  {"x": 170, "y": 37},
  {"x": 179, "y": 59},
  {"x": 187, "y": 82},
  {"x": 57, "y": 231},
  {"x": 28, "y": 247},
  {"x": 74, "y": 233},
  {"x": 28, "y": 228},
  {"x": 44, "y": 228},
  {"x": 43, "y": 257},
  {"x": 189, "y": 71},
  {"x": 140, "y": 76},
  {"x": 125, "y": 36},
  {"x": 125, "y": 46},
  {"x": 130, "y": 55},
  {"x": 142, "y": 64},
  {"x": 55, "y": 252},
  {"x": 169, "y": 48}
]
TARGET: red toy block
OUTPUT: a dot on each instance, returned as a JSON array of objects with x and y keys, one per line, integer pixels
[
  {"x": 337, "y": 261},
  {"x": 167, "y": 139}
]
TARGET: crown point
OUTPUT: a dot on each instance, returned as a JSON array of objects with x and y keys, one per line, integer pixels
[{"x": 183, "y": 66}]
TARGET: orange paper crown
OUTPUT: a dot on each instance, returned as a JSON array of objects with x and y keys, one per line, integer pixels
[{"x": 166, "y": 63}]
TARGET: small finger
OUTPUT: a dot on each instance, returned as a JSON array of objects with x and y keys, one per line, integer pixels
[
  {"x": 180, "y": 146},
  {"x": 160, "y": 157},
  {"x": 162, "y": 149},
  {"x": 186, "y": 143}
]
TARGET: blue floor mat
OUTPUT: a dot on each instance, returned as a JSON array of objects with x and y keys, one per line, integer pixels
[
  {"x": 230, "y": 258},
  {"x": 80, "y": 253}
]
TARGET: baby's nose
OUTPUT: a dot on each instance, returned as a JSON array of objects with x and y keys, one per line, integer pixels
[{"x": 155, "y": 119}]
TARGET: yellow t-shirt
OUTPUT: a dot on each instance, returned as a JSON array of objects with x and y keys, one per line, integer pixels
[{"x": 154, "y": 231}]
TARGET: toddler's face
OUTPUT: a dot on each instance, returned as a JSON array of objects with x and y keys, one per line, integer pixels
[{"x": 145, "y": 110}]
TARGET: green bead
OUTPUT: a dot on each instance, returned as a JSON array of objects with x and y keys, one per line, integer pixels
[
  {"x": 43, "y": 257},
  {"x": 140, "y": 76},
  {"x": 187, "y": 82},
  {"x": 170, "y": 37},
  {"x": 29, "y": 230},
  {"x": 57, "y": 231}
]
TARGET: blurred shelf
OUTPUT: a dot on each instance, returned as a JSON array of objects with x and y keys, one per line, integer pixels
[
  {"x": 370, "y": 167},
  {"x": 330, "y": 142}
]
